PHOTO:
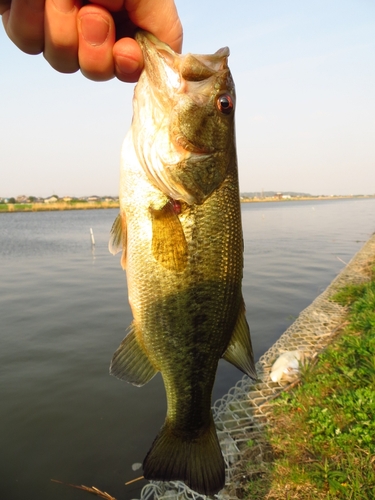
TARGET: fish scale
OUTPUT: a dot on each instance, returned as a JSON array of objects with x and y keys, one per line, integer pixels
[{"x": 181, "y": 238}]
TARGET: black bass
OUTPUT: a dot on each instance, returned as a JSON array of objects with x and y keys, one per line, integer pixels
[{"x": 180, "y": 232}]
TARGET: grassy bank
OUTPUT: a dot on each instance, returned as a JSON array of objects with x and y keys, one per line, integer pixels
[
  {"x": 322, "y": 436},
  {"x": 59, "y": 205}
]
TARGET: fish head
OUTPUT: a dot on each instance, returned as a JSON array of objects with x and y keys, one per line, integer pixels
[{"x": 183, "y": 123}]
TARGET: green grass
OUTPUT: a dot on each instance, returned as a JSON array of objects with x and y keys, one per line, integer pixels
[
  {"x": 22, "y": 207},
  {"x": 59, "y": 205},
  {"x": 323, "y": 433}
]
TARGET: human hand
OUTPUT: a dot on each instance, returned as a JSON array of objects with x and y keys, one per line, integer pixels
[{"x": 96, "y": 37}]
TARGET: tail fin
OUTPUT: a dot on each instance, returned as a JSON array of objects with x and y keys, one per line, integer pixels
[{"x": 197, "y": 462}]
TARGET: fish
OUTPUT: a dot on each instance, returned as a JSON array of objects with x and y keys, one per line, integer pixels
[{"x": 180, "y": 234}]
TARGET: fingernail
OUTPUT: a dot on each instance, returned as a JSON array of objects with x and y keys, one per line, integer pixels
[{"x": 94, "y": 29}]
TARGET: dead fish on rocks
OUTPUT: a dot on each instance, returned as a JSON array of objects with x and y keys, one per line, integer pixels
[{"x": 180, "y": 233}]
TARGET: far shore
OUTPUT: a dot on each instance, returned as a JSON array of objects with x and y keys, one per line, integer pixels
[
  {"x": 305, "y": 198},
  {"x": 91, "y": 205}
]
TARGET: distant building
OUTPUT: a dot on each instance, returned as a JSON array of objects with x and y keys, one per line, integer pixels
[
  {"x": 51, "y": 199},
  {"x": 22, "y": 199}
]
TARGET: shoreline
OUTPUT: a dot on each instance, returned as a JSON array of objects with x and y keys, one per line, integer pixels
[
  {"x": 6, "y": 208},
  {"x": 245, "y": 412}
]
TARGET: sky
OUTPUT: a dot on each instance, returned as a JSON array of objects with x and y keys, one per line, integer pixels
[{"x": 305, "y": 117}]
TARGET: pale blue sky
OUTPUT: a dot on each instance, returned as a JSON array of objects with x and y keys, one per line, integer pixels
[{"x": 305, "y": 79}]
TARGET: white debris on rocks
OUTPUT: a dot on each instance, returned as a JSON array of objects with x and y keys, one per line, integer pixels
[
  {"x": 242, "y": 414},
  {"x": 288, "y": 365}
]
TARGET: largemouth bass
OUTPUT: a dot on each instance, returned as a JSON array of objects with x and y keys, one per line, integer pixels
[{"x": 180, "y": 232}]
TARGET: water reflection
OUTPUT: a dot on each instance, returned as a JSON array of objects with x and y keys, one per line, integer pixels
[{"x": 64, "y": 311}]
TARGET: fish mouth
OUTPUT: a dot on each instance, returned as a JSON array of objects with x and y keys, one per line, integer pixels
[
  {"x": 191, "y": 68},
  {"x": 143, "y": 37}
]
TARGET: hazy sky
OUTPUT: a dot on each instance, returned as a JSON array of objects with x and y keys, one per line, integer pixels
[{"x": 305, "y": 119}]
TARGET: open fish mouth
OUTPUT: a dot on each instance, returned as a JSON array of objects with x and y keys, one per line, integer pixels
[{"x": 192, "y": 67}]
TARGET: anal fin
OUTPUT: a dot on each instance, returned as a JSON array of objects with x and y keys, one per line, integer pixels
[
  {"x": 239, "y": 351},
  {"x": 130, "y": 362}
]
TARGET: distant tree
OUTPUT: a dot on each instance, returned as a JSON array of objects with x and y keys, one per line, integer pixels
[
  {"x": 12, "y": 200},
  {"x": 32, "y": 199}
]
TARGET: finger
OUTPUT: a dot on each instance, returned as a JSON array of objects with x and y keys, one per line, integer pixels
[
  {"x": 159, "y": 17},
  {"x": 127, "y": 54},
  {"x": 96, "y": 37},
  {"x": 128, "y": 60},
  {"x": 61, "y": 35},
  {"x": 24, "y": 25},
  {"x": 162, "y": 22},
  {"x": 4, "y": 6}
]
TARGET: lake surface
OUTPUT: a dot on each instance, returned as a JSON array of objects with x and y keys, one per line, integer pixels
[{"x": 64, "y": 311}]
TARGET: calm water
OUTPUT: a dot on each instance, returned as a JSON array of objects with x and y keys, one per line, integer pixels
[{"x": 63, "y": 312}]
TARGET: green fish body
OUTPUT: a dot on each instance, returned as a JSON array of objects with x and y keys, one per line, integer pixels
[{"x": 180, "y": 233}]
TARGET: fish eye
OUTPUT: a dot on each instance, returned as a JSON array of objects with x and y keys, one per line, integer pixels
[{"x": 225, "y": 104}]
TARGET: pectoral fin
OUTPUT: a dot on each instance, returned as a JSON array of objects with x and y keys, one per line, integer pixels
[
  {"x": 239, "y": 351},
  {"x": 117, "y": 240},
  {"x": 130, "y": 362},
  {"x": 169, "y": 246}
]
